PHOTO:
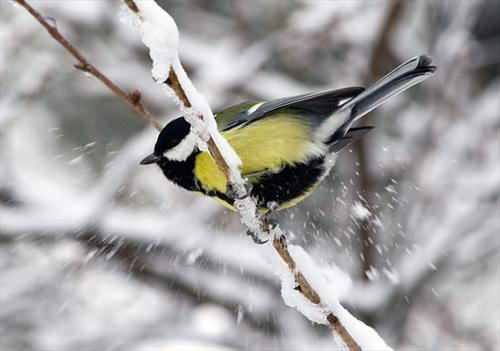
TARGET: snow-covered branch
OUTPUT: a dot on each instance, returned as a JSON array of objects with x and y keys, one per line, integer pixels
[{"x": 303, "y": 285}]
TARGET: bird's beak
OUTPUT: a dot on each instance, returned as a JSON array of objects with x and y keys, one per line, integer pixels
[{"x": 153, "y": 158}]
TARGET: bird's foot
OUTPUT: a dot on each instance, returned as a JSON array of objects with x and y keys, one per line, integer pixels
[
  {"x": 269, "y": 224},
  {"x": 255, "y": 238},
  {"x": 233, "y": 194}
]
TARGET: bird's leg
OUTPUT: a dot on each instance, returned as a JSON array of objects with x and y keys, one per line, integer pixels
[
  {"x": 268, "y": 216},
  {"x": 270, "y": 221},
  {"x": 233, "y": 194}
]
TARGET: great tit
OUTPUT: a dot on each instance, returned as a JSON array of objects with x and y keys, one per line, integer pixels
[{"x": 287, "y": 146}]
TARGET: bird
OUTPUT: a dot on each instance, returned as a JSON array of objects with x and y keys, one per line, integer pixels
[{"x": 286, "y": 146}]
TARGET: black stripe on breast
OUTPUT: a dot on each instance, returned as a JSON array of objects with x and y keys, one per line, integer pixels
[{"x": 291, "y": 182}]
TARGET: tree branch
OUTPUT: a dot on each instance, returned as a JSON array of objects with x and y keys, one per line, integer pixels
[{"x": 132, "y": 99}]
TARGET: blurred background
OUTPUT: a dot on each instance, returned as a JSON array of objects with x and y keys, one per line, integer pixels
[{"x": 98, "y": 253}]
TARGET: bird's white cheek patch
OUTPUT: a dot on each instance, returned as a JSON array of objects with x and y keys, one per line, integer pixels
[{"x": 183, "y": 150}]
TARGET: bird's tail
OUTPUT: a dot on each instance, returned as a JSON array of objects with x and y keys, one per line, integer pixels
[{"x": 403, "y": 77}]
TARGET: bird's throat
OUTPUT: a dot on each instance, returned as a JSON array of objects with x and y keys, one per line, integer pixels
[{"x": 181, "y": 172}]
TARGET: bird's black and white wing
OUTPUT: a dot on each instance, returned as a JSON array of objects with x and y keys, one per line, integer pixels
[{"x": 318, "y": 105}]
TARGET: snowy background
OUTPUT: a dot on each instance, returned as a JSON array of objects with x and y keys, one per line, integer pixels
[{"x": 98, "y": 253}]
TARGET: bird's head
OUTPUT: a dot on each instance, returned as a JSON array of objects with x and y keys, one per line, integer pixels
[{"x": 176, "y": 142}]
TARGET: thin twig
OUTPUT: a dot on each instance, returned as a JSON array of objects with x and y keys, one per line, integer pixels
[
  {"x": 279, "y": 243},
  {"x": 133, "y": 99}
]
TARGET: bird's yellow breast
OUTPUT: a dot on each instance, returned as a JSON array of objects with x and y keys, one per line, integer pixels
[{"x": 262, "y": 145}]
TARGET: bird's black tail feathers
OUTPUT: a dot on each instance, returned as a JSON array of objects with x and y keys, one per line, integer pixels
[{"x": 403, "y": 77}]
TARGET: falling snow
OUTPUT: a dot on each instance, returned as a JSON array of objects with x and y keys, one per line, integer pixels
[{"x": 359, "y": 211}]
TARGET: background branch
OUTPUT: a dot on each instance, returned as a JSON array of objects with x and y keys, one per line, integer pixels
[{"x": 132, "y": 99}]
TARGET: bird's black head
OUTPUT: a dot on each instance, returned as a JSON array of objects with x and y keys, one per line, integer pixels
[
  {"x": 171, "y": 135},
  {"x": 175, "y": 142}
]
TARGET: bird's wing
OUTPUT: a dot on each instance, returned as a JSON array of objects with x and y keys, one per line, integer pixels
[
  {"x": 263, "y": 147},
  {"x": 227, "y": 116},
  {"x": 318, "y": 105}
]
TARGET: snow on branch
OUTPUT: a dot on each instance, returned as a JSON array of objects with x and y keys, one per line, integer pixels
[{"x": 303, "y": 284}]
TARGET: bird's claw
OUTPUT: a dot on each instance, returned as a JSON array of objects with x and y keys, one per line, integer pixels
[
  {"x": 255, "y": 238},
  {"x": 269, "y": 225}
]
